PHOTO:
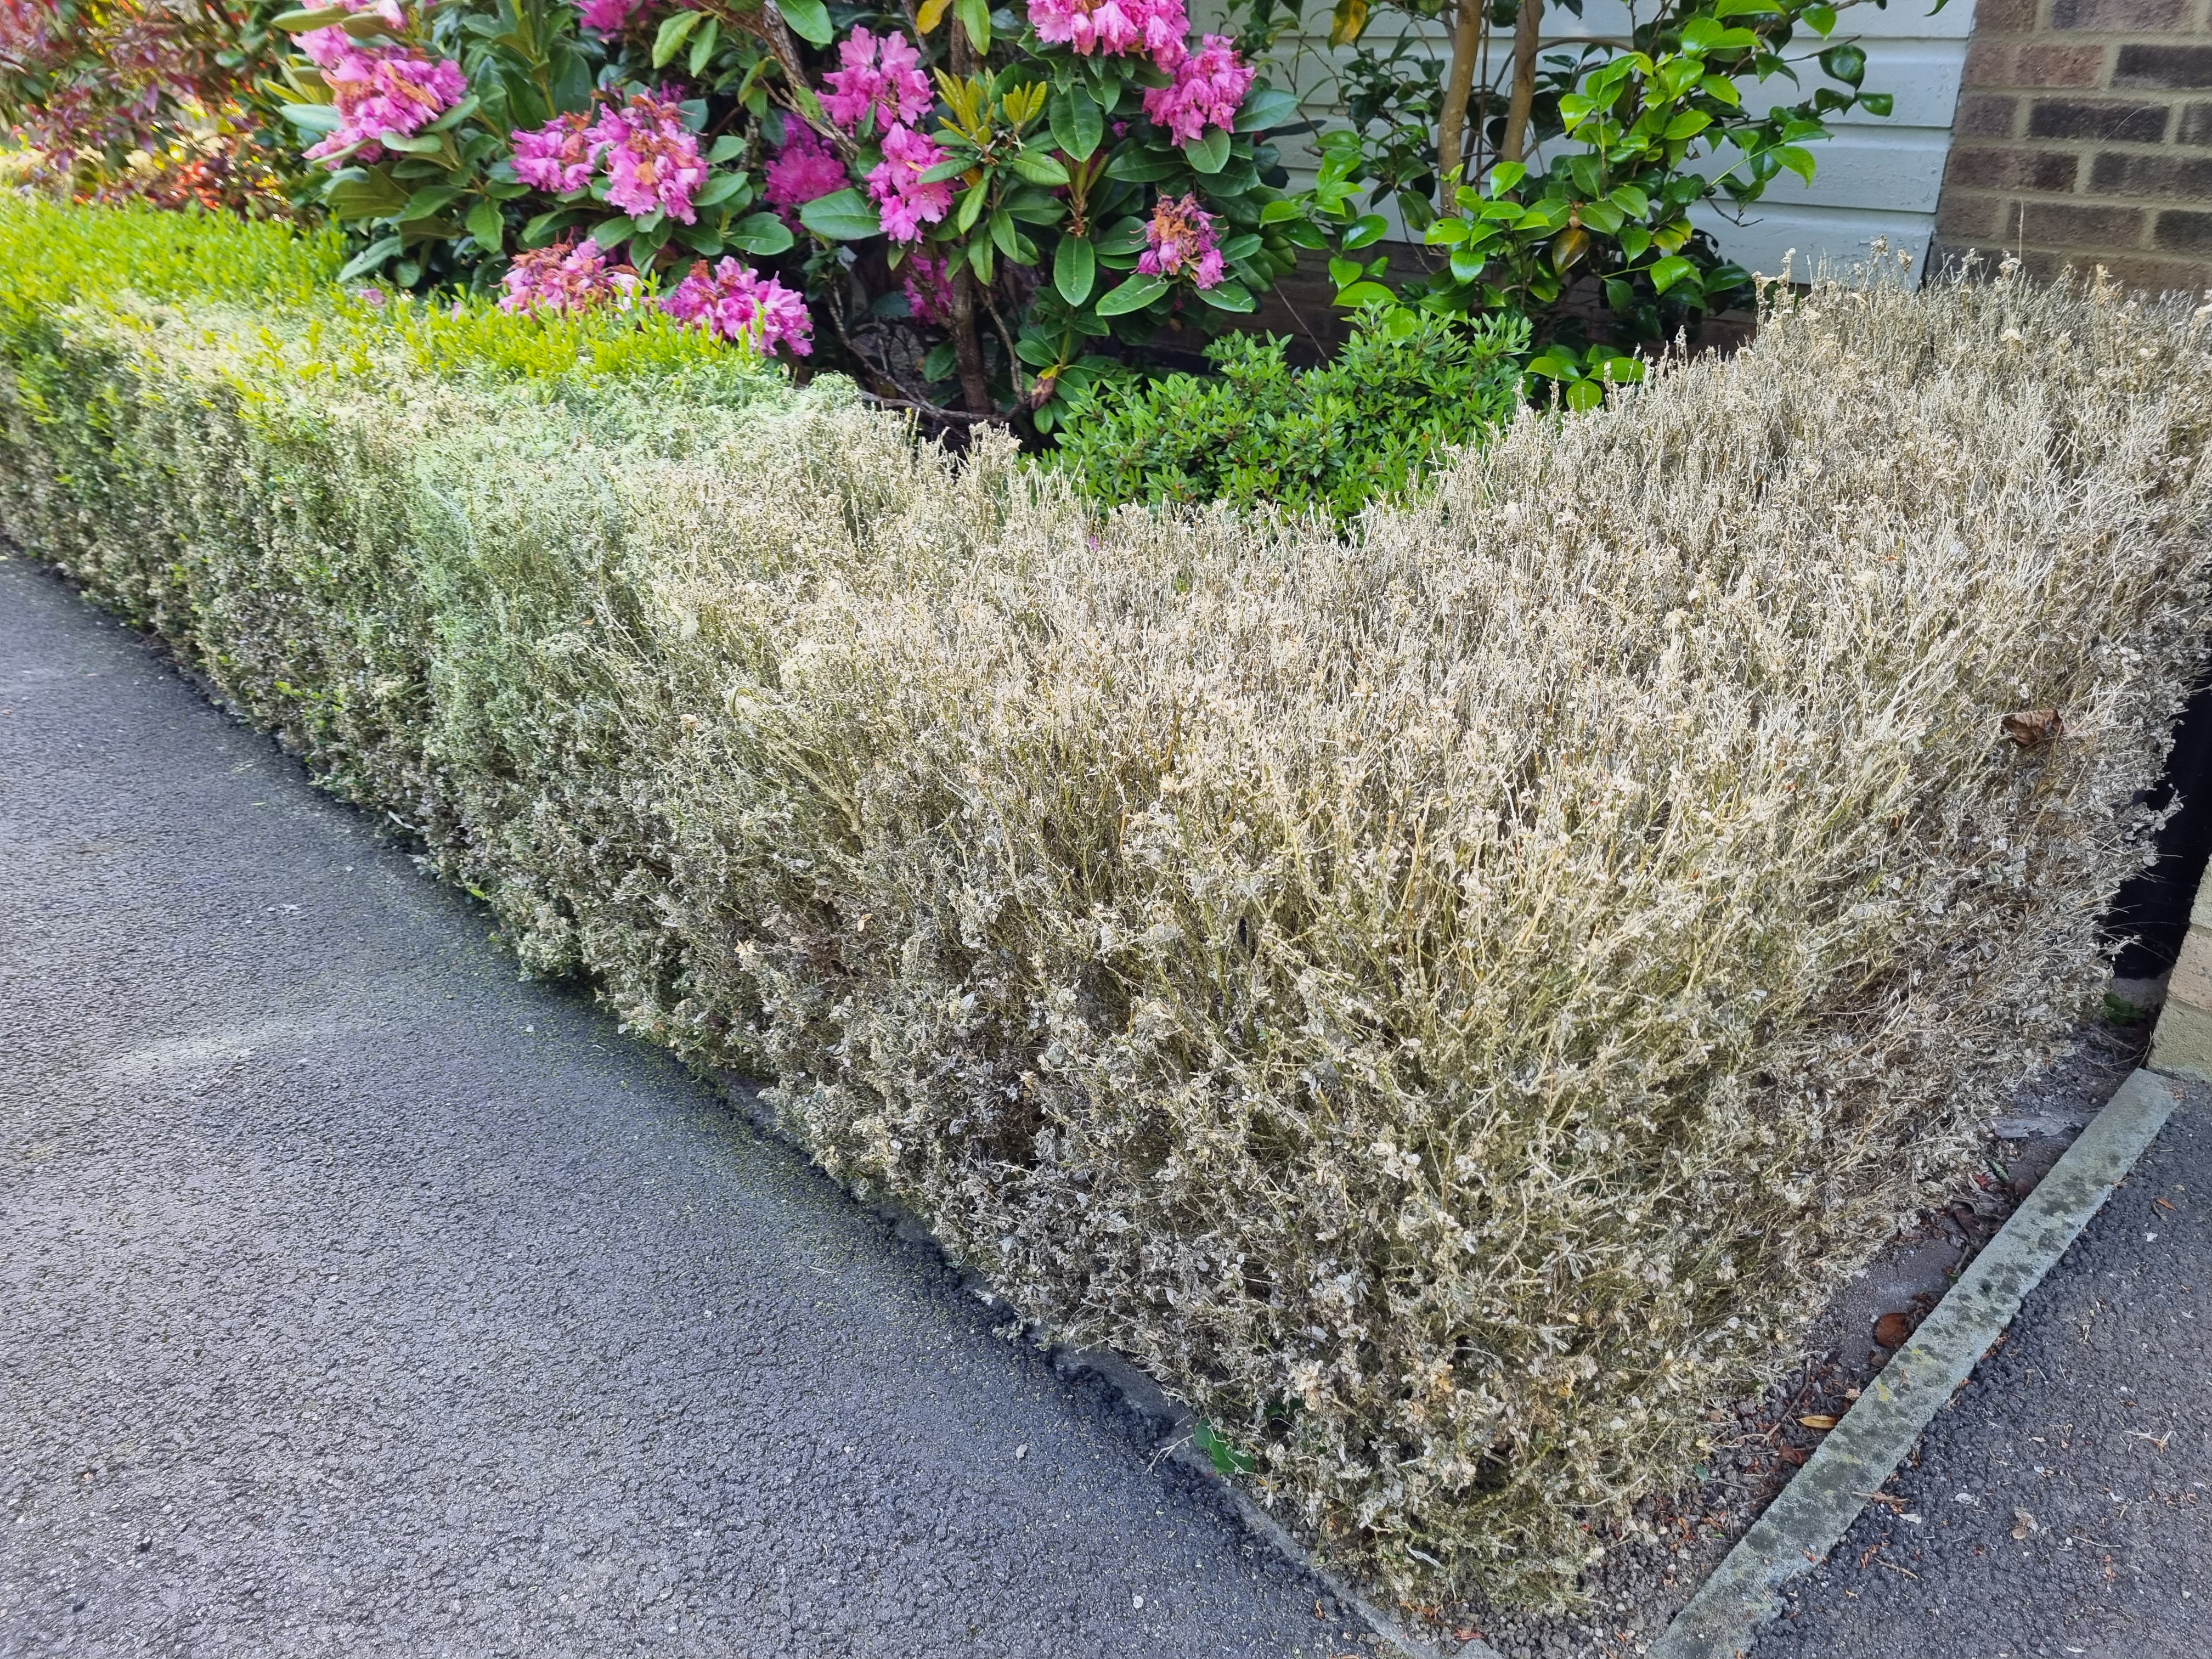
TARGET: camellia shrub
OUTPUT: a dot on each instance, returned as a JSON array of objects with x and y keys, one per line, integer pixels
[
  {"x": 963, "y": 203},
  {"x": 1449, "y": 996}
]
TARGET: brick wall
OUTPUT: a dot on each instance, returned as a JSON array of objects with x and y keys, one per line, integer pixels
[{"x": 2084, "y": 134}]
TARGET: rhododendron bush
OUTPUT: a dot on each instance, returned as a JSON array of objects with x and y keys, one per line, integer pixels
[{"x": 955, "y": 213}]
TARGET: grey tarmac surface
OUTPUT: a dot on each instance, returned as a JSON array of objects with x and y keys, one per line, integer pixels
[
  {"x": 358, "y": 1297},
  {"x": 2062, "y": 1504}
]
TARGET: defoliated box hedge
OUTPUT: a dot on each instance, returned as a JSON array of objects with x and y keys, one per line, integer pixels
[{"x": 1449, "y": 997}]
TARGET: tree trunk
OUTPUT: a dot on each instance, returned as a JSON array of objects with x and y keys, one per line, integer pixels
[
  {"x": 968, "y": 346},
  {"x": 1526, "y": 23},
  {"x": 1459, "y": 83}
]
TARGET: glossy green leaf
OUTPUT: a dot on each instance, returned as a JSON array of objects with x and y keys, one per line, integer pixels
[
  {"x": 313, "y": 118},
  {"x": 432, "y": 198},
  {"x": 703, "y": 45},
  {"x": 1266, "y": 108},
  {"x": 971, "y": 205},
  {"x": 375, "y": 197},
  {"x": 298, "y": 22},
  {"x": 719, "y": 189},
  {"x": 1208, "y": 153},
  {"x": 1845, "y": 62},
  {"x": 1076, "y": 123},
  {"x": 762, "y": 233},
  {"x": 371, "y": 258},
  {"x": 675, "y": 29},
  {"x": 488, "y": 226},
  {"x": 844, "y": 215},
  {"x": 1126, "y": 236},
  {"x": 1366, "y": 230},
  {"x": 1134, "y": 295},
  {"x": 809, "y": 21},
  {"x": 1136, "y": 167},
  {"x": 1040, "y": 167},
  {"x": 974, "y": 16},
  {"x": 1074, "y": 269}
]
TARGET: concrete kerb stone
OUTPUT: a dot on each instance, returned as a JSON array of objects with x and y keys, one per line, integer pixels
[
  {"x": 1814, "y": 1510},
  {"x": 1141, "y": 1392}
]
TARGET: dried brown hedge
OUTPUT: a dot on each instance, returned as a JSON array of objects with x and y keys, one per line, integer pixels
[{"x": 1448, "y": 999}]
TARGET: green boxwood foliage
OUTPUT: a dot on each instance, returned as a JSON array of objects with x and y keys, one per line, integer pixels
[{"x": 1395, "y": 403}]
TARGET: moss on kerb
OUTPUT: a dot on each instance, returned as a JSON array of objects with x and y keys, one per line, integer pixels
[
  {"x": 1819, "y": 1503},
  {"x": 1446, "y": 999}
]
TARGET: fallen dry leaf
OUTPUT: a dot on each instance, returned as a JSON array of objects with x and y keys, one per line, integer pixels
[
  {"x": 1820, "y": 1420},
  {"x": 2022, "y": 1523},
  {"x": 2031, "y": 726},
  {"x": 1892, "y": 1330}
]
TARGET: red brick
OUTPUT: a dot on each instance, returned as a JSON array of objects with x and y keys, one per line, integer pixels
[
  {"x": 2176, "y": 178},
  {"x": 1988, "y": 63},
  {"x": 2133, "y": 271},
  {"x": 2156, "y": 276},
  {"x": 2003, "y": 18},
  {"x": 2121, "y": 16},
  {"x": 2046, "y": 65},
  {"x": 2081, "y": 118},
  {"x": 2186, "y": 67},
  {"x": 2185, "y": 233},
  {"x": 2044, "y": 264},
  {"x": 1985, "y": 115},
  {"x": 2195, "y": 127},
  {"x": 1964, "y": 219},
  {"x": 2071, "y": 224},
  {"x": 1978, "y": 168}
]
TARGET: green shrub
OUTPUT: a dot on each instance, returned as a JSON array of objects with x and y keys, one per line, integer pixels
[
  {"x": 1449, "y": 997},
  {"x": 1393, "y": 403}
]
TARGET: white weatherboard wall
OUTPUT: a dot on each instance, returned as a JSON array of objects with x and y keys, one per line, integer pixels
[{"x": 1874, "y": 177}]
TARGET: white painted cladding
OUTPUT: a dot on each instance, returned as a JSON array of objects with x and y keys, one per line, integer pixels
[{"x": 1875, "y": 177}]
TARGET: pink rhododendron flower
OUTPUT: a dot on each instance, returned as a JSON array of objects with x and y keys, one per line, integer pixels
[
  {"x": 1181, "y": 241},
  {"x": 928, "y": 289},
  {"x": 564, "y": 279},
  {"x": 739, "y": 303},
  {"x": 803, "y": 170},
  {"x": 558, "y": 157},
  {"x": 907, "y": 204},
  {"x": 893, "y": 86},
  {"x": 607, "y": 16},
  {"x": 1209, "y": 84},
  {"x": 381, "y": 91},
  {"x": 1114, "y": 28},
  {"x": 652, "y": 158}
]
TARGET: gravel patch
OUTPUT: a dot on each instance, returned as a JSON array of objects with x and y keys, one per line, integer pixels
[{"x": 358, "y": 1297}]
